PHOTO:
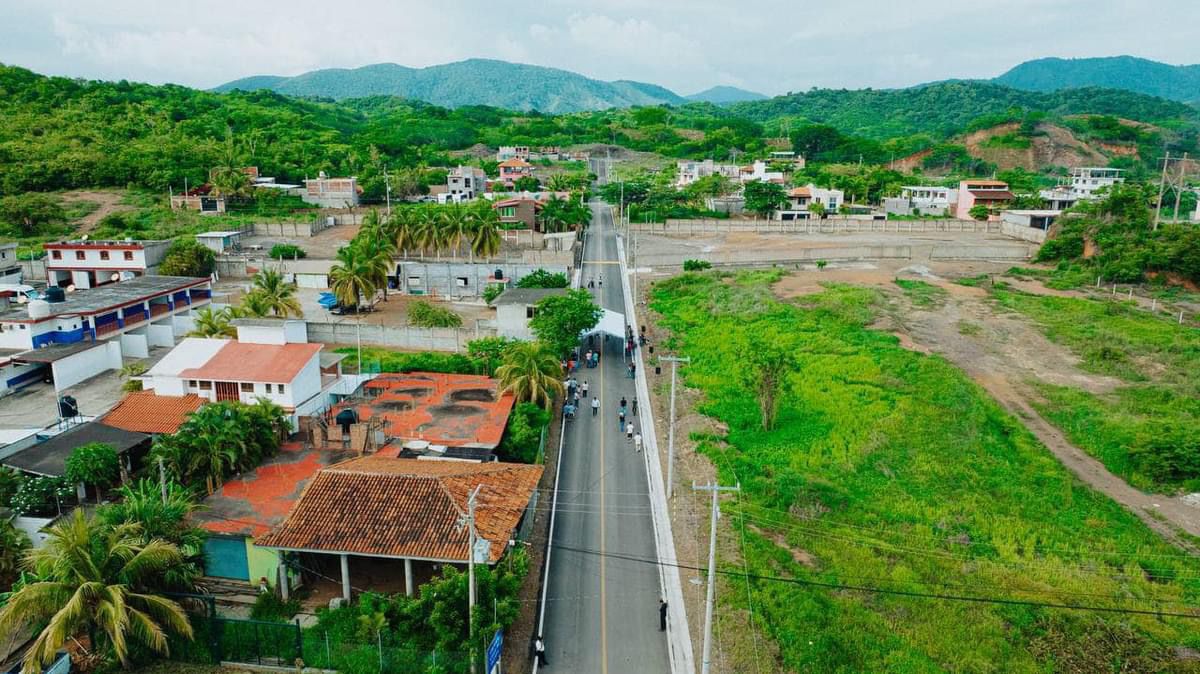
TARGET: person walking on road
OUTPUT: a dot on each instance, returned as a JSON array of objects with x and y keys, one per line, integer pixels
[
  {"x": 595, "y": 405},
  {"x": 662, "y": 614},
  {"x": 629, "y": 433},
  {"x": 584, "y": 387},
  {"x": 637, "y": 440},
  {"x": 635, "y": 407},
  {"x": 624, "y": 403},
  {"x": 539, "y": 649},
  {"x": 621, "y": 418}
]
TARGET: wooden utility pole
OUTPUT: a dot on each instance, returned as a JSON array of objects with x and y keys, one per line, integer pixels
[{"x": 715, "y": 489}]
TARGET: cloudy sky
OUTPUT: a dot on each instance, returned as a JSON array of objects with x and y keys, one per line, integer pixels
[{"x": 771, "y": 46}]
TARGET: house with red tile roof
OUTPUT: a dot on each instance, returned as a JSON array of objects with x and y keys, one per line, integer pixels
[
  {"x": 375, "y": 511},
  {"x": 147, "y": 412},
  {"x": 271, "y": 359},
  {"x": 512, "y": 169}
]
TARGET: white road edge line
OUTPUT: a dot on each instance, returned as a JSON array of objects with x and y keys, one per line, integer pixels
[
  {"x": 553, "y": 509},
  {"x": 679, "y": 638}
]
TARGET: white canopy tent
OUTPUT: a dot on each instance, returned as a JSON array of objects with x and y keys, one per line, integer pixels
[{"x": 611, "y": 322}]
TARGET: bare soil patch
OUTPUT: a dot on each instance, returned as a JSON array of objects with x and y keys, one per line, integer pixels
[{"x": 110, "y": 202}]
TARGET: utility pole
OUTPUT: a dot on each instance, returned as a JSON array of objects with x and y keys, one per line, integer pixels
[
  {"x": 674, "y": 361},
  {"x": 469, "y": 520},
  {"x": 387, "y": 181},
  {"x": 706, "y": 662},
  {"x": 1179, "y": 186},
  {"x": 1162, "y": 186}
]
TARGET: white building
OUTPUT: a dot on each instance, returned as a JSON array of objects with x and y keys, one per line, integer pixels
[
  {"x": 464, "y": 183},
  {"x": 329, "y": 192},
  {"x": 10, "y": 269},
  {"x": 689, "y": 172},
  {"x": 219, "y": 242},
  {"x": 801, "y": 199},
  {"x": 922, "y": 200},
  {"x": 88, "y": 264},
  {"x": 1086, "y": 180},
  {"x": 514, "y": 308},
  {"x": 757, "y": 172},
  {"x": 270, "y": 359},
  {"x": 507, "y": 152}
]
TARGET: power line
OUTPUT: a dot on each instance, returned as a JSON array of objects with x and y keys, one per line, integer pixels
[{"x": 905, "y": 593}]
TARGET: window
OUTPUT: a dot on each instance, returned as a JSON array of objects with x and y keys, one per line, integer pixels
[
  {"x": 279, "y": 388},
  {"x": 206, "y": 386},
  {"x": 56, "y": 254},
  {"x": 129, "y": 255},
  {"x": 192, "y": 383},
  {"x": 461, "y": 281},
  {"x": 529, "y": 311},
  {"x": 80, "y": 255},
  {"x": 104, "y": 255},
  {"x": 508, "y": 212},
  {"x": 247, "y": 387}
]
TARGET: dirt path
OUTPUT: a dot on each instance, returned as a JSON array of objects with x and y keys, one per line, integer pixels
[
  {"x": 110, "y": 202},
  {"x": 1002, "y": 353}
]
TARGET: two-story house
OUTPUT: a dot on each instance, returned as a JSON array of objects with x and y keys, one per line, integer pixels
[
  {"x": 89, "y": 264},
  {"x": 513, "y": 169},
  {"x": 270, "y": 359},
  {"x": 464, "y": 183},
  {"x": 507, "y": 152},
  {"x": 801, "y": 199},
  {"x": 922, "y": 200},
  {"x": 329, "y": 192},
  {"x": 991, "y": 193}
]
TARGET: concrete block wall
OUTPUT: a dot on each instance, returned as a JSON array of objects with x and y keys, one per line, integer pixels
[{"x": 452, "y": 340}]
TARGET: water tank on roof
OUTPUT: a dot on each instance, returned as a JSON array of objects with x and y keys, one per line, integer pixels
[
  {"x": 346, "y": 418},
  {"x": 68, "y": 407},
  {"x": 55, "y": 294},
  {"x": 39, "y": 309},
  {"x": 499, "y": 274}
]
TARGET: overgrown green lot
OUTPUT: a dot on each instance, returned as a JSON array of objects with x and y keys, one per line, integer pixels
[
  {"x": 1147, "y": 431},
  {"x": 889, "y": 469}
]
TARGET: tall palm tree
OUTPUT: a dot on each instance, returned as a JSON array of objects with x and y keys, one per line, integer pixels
[
  {"x": 456, "y": 222},
  {"x": 253, "y": 305},
  {"x": 277, "y": 294},
  {"x": 230, "y": 182},
  {"x": 402, "y": 229},
  {"x": 163, "y": 512},
  {"x": 485, "y": 233},
  {"x": 98, "y": 580},
  {"x": 531, "y": 373},
  {"x": 428, "y": 233},
  {"x": 353, "y": 277},
  {"x": 211, "y": 322}
]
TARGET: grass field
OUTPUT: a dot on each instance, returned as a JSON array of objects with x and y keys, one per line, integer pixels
[
  {"x": 890, "y": 470},
  {"x": 1147, "y": 431}
]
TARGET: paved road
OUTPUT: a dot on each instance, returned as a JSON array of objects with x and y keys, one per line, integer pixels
[{"x": 602, "y": 612}]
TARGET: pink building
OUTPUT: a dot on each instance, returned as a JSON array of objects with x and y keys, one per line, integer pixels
[
  {"x": 991, "y": 193},
  {"x": 512, "y": 169}
]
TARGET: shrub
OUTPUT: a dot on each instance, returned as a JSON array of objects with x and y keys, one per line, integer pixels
[
  {"x": 544, "y": 279},
  {"x": 287, "y": 251},
  {"x": 186, "y": 257},
  {"x": 493, "y": 291},
  {"x": 696, "y": 265},
  {"x": 268, "y": 606},
  {"x": 425, "y": 315},
  {"x": 96, "y": 464},
  {"x": 40, "y": 496},
  {"x": 523, "y": 433},
  {"x": 383, "y": 360}
]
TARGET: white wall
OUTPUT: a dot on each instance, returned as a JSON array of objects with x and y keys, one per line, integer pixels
[
  {"x": 160, "y": 334},
  {"x": 91, "y": 259},
  {"x": 135, "y": 345},
  {"x": 16, "y": 336},
  {"x": 511, "y": 321},
  {"x": 85, "y": 364}
]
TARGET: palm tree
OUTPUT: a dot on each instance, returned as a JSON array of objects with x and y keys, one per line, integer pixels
[
  {"x": 485, "y": 234},
  {"x": 253, "y": 305},
  {"x": 277, "y": 294},
  {"x": 169, "y": 519},
  {"x": 211, "y": 322},
  {"x": 531, "y": 373},
  {"x": 353, "y": 277},
  {"x": 428, "y": 232},
  {"x": 402, "y": 228},
  {"x": 98, "y": 580},
  {"x": 230, "y": 181},
  {"x": 456, "y": 223}
]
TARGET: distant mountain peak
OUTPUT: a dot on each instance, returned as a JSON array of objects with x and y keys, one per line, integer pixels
[
  {"x": 1131, "y": 73},
  {"x": 723, "y": 94},
  {"x": 475, "y": 81}
]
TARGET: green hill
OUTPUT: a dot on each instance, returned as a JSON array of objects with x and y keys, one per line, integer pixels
[
  {"x": 724, "y": 95},
  {"x": 500, "y": 84},
  {"x": 1178, "y": 83},
  {"x": 945, "y": 108}
]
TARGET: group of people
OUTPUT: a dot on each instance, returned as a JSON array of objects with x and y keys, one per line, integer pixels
[{"x": 631, "y": 434}]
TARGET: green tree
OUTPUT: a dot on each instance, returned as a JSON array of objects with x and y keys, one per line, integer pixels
[
  {"x": 186, "y": 257},
  {"x": 526, "y": 184},
  {"x": 98, "y": 580},
  {"x": 523, "y": 433},
  {"x": 765, "y": 358},
  {"x": 763, "y": 199},
  {"x": 30, "y": 212},
  {"x": 980, "y": 212},
  {"x": 559, "y": 320},
  {"x": 13, "y": 544},
  {"x": 532, "y": 373},
  {"x": 96, "y": 464},
  {"x": 354, "y": 277},
  {"x": 485, "y": 232},
  {"x": 220, "y": 439},
  {"x": 170, "y": 519},
  {"x": 213, "y": 323},
  {"x": 540, "y": 278},
  {"x": 489, "y": 351},
  {"x": 816, "y": 209},
  {"x": 230, "y": 182},
  {"x": 276, "y": 294}
]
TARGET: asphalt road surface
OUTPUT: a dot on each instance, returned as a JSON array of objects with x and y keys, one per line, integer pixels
[{"x": 602, "y": 612}]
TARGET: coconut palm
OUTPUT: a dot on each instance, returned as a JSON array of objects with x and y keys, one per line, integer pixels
[
  {"x": 229, "y": 182},
  {"x": 211, "y": 322},
  {"x": 456, "y": 223},
  {"x": 253, "y": 305},
  {"x": 277, "y": 294},
  {"x": 97, "y": 580},
  {"x": 353, "y": 277},
  {"x": 163, "y": 512},
  {"x": 531, "y": 373},
  {"x": 402, "y": 230},
  {"x": 207, "y": 446},
  {"x": 428, "y": 232},
  {"x": 485, "y": 231}
]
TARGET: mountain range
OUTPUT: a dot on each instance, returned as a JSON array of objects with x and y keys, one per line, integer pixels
[{"x": 516, "y": 86}]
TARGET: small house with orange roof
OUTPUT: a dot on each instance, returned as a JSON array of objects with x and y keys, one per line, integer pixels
[{"x": 512, "y": 169}]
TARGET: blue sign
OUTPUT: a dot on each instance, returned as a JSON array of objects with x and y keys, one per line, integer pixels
[{"x": 493, "y": 652}]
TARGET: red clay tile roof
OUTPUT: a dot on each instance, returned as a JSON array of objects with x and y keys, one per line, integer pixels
[
  {"x": 240, "y": 361},
  {"x": 253, "y": 502},
  {"x": 799, "y": 192},
  {"x": 515, "y": 162},
  {"x": 147, "y": 412},
  {"x": 375, "y": 505},
  {"x": 992, "y": 195}
]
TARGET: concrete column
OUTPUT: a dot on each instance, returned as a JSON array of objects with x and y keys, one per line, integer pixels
[
  {"x": 408, "y": 577},
  {"x": 284, "y": 590},
  {"x": 346, "y": 578}
]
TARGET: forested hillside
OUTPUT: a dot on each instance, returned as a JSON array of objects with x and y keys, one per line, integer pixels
[
  {"x": 1178, "y": 83},
  {"x": 501, "y": 84}
]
